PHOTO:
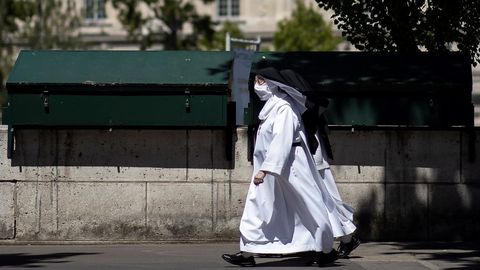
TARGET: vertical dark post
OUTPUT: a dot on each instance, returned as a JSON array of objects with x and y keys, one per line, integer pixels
[
  {"x": 230, "y": 130},
  {"x": 10, "y": 141},
  {"x": 471, "y": 137},
  {"x": 251, "y": 142}
]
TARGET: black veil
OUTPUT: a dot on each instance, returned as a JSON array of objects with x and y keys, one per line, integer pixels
[{"x": 313, "y": 118}]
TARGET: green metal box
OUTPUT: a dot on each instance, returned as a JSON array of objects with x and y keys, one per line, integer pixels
[
  {"x": 373, "y": 89},
  {"x": 119, "y": 89}
]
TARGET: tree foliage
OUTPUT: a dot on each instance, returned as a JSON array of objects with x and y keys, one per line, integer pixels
[
  {"x": 46, "y": 24},
  {"x": 52, "y": 24},
  {"x": 165, "y": 23},
  {"x": 10, "y": 13},
  {"x": 132, "y": 19},
  {"x": 409, "y": 25},
  {"x": 218, "y": 41},
  {"x": 306, "y": 30}
]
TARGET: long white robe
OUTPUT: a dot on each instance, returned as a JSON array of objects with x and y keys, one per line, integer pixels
[
  {"x": 288, "y": 212},
  {"x": 342, "y": 218}
]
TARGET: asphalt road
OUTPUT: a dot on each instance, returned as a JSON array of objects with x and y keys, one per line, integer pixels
[{"x": 392, "y": 256}]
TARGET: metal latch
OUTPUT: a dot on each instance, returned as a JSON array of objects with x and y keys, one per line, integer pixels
[
  {"x": 45, "y": 101},
  {"x": 187, "y": 101}
]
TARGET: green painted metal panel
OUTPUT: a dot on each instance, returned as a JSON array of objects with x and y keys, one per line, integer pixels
[
  {"x": 365, "y": 89},
  {"x": 346, "y": 73},
  {"x": 376, "y": 89},
  {"x": 126, "y": 110},
  {"x": 122, "y": 70},
  {"x": 119, "y": 88},
  {"x": 409, "y": 111},
  {"x": 392, "y": 110}
]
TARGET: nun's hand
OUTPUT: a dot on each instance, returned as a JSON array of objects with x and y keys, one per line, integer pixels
[{"x": 258, "y": 179}]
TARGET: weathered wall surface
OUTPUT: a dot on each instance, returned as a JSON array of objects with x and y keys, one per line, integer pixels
[{"x": 177, "y": 184}]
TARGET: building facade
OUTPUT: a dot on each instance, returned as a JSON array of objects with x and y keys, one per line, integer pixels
[{"x": 102, "y": 29}]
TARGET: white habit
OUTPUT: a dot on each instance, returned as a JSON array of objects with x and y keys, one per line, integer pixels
[
  {"x": 342, "y": 218},
  {"x": 290, "y": 211}
]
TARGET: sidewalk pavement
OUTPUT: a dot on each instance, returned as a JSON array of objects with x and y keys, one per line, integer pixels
[{"x": 373, "y": 255}]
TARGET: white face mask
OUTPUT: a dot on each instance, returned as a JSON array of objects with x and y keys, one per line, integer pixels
[{"x": 262, "y": 91}]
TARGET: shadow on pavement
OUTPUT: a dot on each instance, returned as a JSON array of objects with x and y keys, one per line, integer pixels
[
  {"x": 34, "y": 261},
  {"x": 294, "y": 262},
  {"x": 300, "y": 259},
  {"x": 463, "y": 255}
]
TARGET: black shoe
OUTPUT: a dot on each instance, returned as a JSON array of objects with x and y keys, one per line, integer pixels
[
  {"x": 239, "y": 259},
  {"x": 345, "y": 249},
  {"x": 326, "y": 258}
]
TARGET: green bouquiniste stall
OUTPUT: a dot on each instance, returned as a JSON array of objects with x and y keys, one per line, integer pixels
[
  {"x": 191, "y": 89},
  {"x": 118, "y": 89}
]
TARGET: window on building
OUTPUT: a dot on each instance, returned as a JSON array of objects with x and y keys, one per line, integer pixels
[
  {"x": 228, "y": 8},
  {"x": 95, "y": 9}
]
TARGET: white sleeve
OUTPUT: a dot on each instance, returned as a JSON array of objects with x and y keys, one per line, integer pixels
[
  {"x": 319, "y": 157},
  {"x": 284, "y": 127}
]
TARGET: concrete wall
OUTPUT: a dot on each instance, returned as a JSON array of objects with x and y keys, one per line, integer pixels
[{"x": 177, "y": 184}]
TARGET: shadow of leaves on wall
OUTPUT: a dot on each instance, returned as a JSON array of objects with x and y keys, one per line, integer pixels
[{"x": 423, "y": 185}]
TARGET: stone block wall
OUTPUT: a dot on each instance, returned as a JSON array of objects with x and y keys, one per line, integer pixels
[{"x": 144, "y": 185}]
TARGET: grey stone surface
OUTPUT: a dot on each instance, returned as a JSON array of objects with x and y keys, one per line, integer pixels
[
  {"x": 200, "y": 155},
  {"x": 231, "y": 202},
  {"x": 37, "y": 210},
  {"x": 222, "y": 167},
  {"x": 35, "y": 147},
  {"x": 12, "y": 169},
  {"x": 470, "y": 158},
  {"x": 358, "y": 174},
  {"x": 124, "y": 148},
  {"x": 423, "y": 156},
  {"x": 363, "y": 148},
  {"x": 181, "y": 211},
  {"x": 122, "y": 155},
  {"x": 453, "y": 212},
  {"x": 406, "y": 206},
  {"x": 243, "y": 168},
  {"x": 101, "y": 211},
  {"x": 359, "y": 156},
  {"x": 368, "y": 201},
  {"x": 7, "y": 210},
  {"x": 7, "y": 171},
  {"x": 172, "y": 184}
]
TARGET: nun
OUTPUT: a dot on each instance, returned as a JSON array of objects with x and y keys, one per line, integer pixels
[
  {"x": 342, "y": 218},
  {"x": 288, "y": 208},
  {"x": 316, "y": 128}
]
